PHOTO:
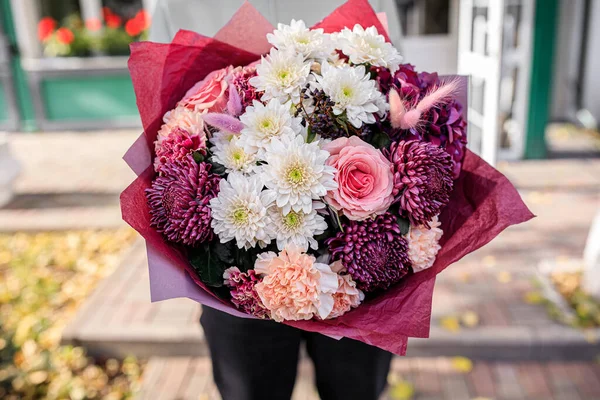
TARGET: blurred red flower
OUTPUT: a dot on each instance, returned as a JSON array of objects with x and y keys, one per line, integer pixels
[
  {"x": 65, "y": 36},
  {"x": 113, "y": 21},
  {"x": 138, "y": 24},
  {"x": 93, "y": 24},
  {"x": 143, "y": 18},
  {"x": 132, "y": 27},
  {"x": 106, "y": 12},
  {"x": 45, "y": 28}
]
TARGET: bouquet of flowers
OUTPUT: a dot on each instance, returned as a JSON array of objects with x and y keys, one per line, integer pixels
[{"x": 312, "y": 179}]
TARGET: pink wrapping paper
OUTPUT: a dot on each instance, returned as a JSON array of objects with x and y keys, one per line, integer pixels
[{"x": 483, "y": 202}]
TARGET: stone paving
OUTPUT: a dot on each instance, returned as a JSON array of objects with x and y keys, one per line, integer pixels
[{"x": 436, "y": 378}]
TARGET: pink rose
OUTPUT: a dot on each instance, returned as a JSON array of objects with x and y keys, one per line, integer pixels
[
  {"x": 210, "y": 94},
  {"x": 364, "y": 177}
]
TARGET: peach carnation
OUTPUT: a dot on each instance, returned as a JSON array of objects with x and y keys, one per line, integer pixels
[
  {"x": 423, "y": 244},
  {"x": 364, "y": 176},
  {"x": 210, "y": 94},
  {"x": 347, "y": 296},
  {"x": 295, "y": 286},
  {"x": 184, "y": 119}
]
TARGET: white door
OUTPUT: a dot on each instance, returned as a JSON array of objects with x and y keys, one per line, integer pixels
[
  {"x": 494, "y": 48},
  {"x": 429, "y": 34}
]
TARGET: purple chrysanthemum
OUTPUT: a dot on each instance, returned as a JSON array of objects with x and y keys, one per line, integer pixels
[
  {"x": 179, "y": 198},
  {"x": 177, "y": 145},
  {"x": 243, "y": 292},
  {"x": 422, "y": 178},
  {"x": 373, "y": 251},
  {"x": 247, "y": 92}
]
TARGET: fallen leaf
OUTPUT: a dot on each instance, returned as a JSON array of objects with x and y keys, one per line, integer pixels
[
  {"x": 462, "y": 364},
  {"x": 450, "y": 324},
  {"x": 489, "y": 261},
  {"x": 533, "y": 297},
  {"x": 402, "y": 391},
  {"x": 504, "y": 277},
  {"x": 465, "y": 277},
  {"x": 470, "y": 319},
  {"x": 590, "y": 336}
]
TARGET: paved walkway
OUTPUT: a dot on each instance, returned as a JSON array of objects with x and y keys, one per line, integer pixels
[
  {"x": 437, "y": 378},
  {"x": 69, "y": 180}
]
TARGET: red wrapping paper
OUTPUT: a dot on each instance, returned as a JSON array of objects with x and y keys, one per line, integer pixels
[{"x": 482, "y": 205}]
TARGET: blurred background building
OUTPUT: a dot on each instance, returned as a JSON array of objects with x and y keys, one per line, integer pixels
[{"x": 63, "y": 63}]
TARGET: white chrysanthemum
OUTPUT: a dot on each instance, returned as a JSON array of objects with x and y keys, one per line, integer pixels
[
  {"x": 423, "y": 244},
  {"x": 281, "y": 75},
  {"x": 311, "y": 43},
  {"x": 240, "y": 212},
  {"x": 298, "y": 228},
  {"x": 353, "y": 91},
  {"x": 296, "y": 174},
  {"x": 264, "y": 123},
  {"x": 228, "y": 152},
  {"x": 367, "y": 46}
]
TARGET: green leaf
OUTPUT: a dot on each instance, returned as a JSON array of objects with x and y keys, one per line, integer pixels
[
  {"x": 216, "y": 168},
  {"x": 245, "y": 259},
  {"x": 335, "y": 219},
  {"x": 380, "y": 140},
  {"x": 310, "y": 135},
  {"x": 198, "y": 156},
  {"x": 211, "y": 260},
  {"x": 404, "y": 225}
]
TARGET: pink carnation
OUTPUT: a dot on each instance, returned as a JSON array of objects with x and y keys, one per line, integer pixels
[
  {"x": 181, "y": 117},
  {"x": 364, "y": 176},
  {"x": 178, "y": 144},
  {"x": 347, "y": 296},
  {"x": 243, "y": 292},
  {"x": 295, "y": 286},
  {"x": 423, "y": 244},
  {"x": 239, "y": 79},
  {"x": 210, "y": 94}
]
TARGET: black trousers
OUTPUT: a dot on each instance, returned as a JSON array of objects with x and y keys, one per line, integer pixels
[{"x": 257, "y": 360}]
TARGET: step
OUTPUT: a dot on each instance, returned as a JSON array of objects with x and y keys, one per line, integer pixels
[{"x": 118, "y": 319}]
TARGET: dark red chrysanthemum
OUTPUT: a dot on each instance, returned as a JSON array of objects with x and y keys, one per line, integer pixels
[
  {"x": 243, "y": 292},
  {"x": 422, "y": 178},
  {"x": 177, "y": 145},
  {"x": 373, "y": 251},
  {"x": 179, "y": 198},
  {"x": 448, "y": 129}
]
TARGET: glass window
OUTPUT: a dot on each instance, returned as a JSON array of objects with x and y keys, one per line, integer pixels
[
  {"x": 424, "y": 17},
  {"x": 82, "y": 28}
]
